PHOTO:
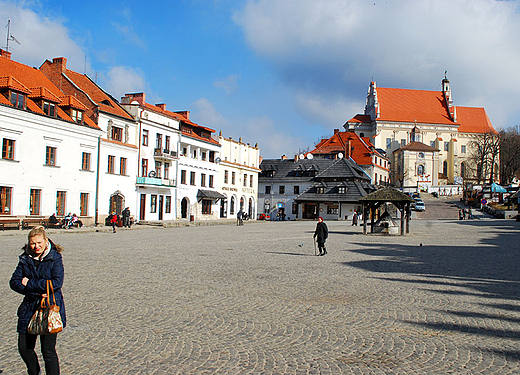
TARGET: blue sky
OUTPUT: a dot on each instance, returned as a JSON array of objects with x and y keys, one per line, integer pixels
[{"x": 280, "y": 73}]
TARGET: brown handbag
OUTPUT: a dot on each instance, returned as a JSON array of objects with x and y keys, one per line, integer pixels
[{"x": 47, "y": 319}]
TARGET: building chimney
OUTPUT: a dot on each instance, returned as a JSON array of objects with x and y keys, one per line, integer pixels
[
  {"x": 60, "y": 63},
  {"x": 348, "y": 148},
  {"x": 260, "y": 158},
  {"x": 184, "y": 113},
  {"x": 161, "y": 106},
  {"x": 5, "y": 54},
  {"x": 139, "y": 97},
  {"x": 336, "y": 131},
  {"x": 284, "y": 157}
]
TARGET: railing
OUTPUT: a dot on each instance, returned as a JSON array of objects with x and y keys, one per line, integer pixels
[
  {"x": 166, "y": 154},
  {"x": 157, "y": 181}
]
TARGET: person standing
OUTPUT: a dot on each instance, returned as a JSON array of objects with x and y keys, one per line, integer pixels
[
  {"x": 320, "y": 235},
  {"x": 240, "y": 217},
  {"x": 40, "y": 261},
  {"x": 126, "y": 217},
  {"x": 355, "y": 218}
]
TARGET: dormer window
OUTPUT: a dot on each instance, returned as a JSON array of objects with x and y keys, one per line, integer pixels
[
  {"x": 18, "y": 99},
  {"x": 77, "y": 116},
  {"x": 49, "y": 109},
  {"x": 321, "y": 190},
  {"x": 342, "y": 189}
]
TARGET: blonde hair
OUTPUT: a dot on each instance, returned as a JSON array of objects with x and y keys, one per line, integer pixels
[{"x": 40, "y": 231}]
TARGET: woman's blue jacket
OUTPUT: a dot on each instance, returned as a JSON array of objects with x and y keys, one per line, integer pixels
[{"x": 50, "y": 268}]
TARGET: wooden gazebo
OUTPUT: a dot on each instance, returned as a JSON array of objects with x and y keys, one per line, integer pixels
[{"x": 371, "y": 203}]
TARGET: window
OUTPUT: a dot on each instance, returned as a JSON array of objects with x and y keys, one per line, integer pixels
[
  {"x": 203, "y": 179},
  {"x": 245, "y": 180},
  {"x": 145, "y": 137},
  {"x": 421, "y": 155},
  {"x": 375, "y": 179},
  {"x": 49, "y": 109},
  {"x": 463, "y": 149},
  {"x": 251, "y": 181},
  {"x": 77, "y": 116},
  {"x": 420, "y": 169},
  {"x": 403, "y": 142},
  {"x": 50, "y": 156},
  {"x": 320, "y": 190},
  {"x": 183, "y": 176},
  {"x": 18, "y": 100},
  {"x": 85, "y": 161},
  {"x": 8, "y": 149},
  {"x": 158, "y": 166},
  {"x": 268, "y": 189},
  {"x": 144, "y": 167},
  {"x": 60, "y": 202},
  {"x": 204, "y": 155},
  {"x": 432, "y": 143},
  {"x": 5, "y": 199},
  {"x": 122, "y": 166},
  {"x": 296, "y": 189},
  {"x": 463, "y": 170},
  {"x": 167, "y": 143},
  {"x": 342, "y": 190},
  {"x": 294, "y": 208},
  {"x": 153, "y": 203},
  {"x": 168, "y": 204},
  {"x": 117, "y": 134},
  {"x": 375, "y": 160},
  {"x": 206, "y": 207},
  {"x": 388, "y": 142},
  {"x": 83, "y": 204},
  {"x": 226, "y": 177},
  {"x": 166, "y": 170},
  {"x": 34, "y": 202},
  {"x": 194, "y": 155},
  {"x": 332, "y": 209},
  {"x": 192, "y": 178},
  {"x": 210, "y": 180},
  {"x": 184, "y": 151},
  {"x": 111, "y": 164},
  {"x": 281, "y": 189},
  {"x": 158, "y": 141},
  {"x": 445, "y": 168},
  {"x": 232, "y": 178},
  {"x": 446, "y": 146}
]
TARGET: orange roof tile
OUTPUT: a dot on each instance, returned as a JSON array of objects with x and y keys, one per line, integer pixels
[
  {"x": 418, "y": 146},
  {"x": 9, "y": 82},
  {"x": 359, "y": 118},
  {"x": 42, "y": 92},
  {"x": 72, "y": 102},
  {"x": 474, "y": 120},
  {"x": 412, "y": 105},
  {"x": 97, "y": 94}
]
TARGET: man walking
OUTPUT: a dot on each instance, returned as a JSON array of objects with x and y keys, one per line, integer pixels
[
  {"x": 320, "y": 235},
  {"x": 126, "y": 217}
]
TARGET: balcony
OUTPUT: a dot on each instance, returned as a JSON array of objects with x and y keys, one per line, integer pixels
[
  {"x": 164, "y": 154},
  {"x": 155, "y": 181}
]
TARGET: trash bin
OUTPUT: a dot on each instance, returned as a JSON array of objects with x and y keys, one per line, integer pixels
[{"x": 192, "y": 217}]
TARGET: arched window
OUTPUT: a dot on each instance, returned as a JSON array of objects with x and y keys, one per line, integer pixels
[
  {"x": 420, "y": 169},
  {"x": 445, "y": 168},
  {"x": 117, "y": 201},
  {"x": 232, "y": 206},
  {"x": 463, "y": 170}
]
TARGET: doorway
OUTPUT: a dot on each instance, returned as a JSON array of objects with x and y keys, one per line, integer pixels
[
  {"x": 184, "y": 208},
  {"x": 161, "y": 203},
  {"x": 142, "y": 207}
]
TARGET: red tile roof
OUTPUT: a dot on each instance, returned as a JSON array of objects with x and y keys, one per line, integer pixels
[
  {"x": 359, "y": 118},
  {"x": 97, "y": 94},
  {"x": 9, "y": 82},
  {"x": 69, "y": 101},
  {"x": 412, "y": 105},
  {"x": 362, "y": 148},
  {"x": 418, "y": 146},
  {"x": 474, "y": 120},
  {"x": 42, "y": 92}
]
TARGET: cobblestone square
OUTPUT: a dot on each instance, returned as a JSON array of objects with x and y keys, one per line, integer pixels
[{"x": 255, "y": 300}]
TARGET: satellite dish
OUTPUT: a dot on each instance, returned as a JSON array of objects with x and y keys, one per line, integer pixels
[
  {"x": 302, "y": 156},
  {"x": 310, "y": 156},
  {"x": 151, "y": 174},
  {"x": 218, "y": 160},
  {"x": 340, "y": 155}
]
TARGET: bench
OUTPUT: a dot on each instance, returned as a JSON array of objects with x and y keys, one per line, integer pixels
[
  {"x": 10, "y": 222},
  {"x": 47, "y": 225},
  {"x": 32, "y": 222}
]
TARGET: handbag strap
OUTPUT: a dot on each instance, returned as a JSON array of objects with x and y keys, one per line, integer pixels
[{"x": 50, "y": 290}]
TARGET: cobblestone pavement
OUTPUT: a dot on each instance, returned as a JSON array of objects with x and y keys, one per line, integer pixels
[{"x": 254, "y": 300}]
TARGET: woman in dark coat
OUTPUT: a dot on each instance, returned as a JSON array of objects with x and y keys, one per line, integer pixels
[
  {"x": 320, "y": 234},
  {"x": 40, "y": 261}
]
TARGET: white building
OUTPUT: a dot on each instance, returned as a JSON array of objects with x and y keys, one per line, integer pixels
[
  {"x": 239, "y": 169},
  {"x": 49, "y": 151}
]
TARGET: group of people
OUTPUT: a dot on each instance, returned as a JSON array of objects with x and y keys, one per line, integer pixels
[
  {"x": 462, "y": 214},
  {"x": 113, "y": 219},
  {"x": 69, "y": 221}
]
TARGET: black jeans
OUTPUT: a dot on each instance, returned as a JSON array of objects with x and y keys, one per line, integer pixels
[{"x": 26, "y": 345}]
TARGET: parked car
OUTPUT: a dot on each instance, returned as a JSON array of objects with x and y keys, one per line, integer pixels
[
  {"x": 264, "y": 217},
  {"x": 419, "y": 205}
]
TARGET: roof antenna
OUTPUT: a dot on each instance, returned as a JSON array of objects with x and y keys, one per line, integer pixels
[{"x": 9, "y": 36}]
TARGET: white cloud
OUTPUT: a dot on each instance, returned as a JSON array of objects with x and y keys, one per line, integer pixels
[
  {"x": 335, "y": 48},
  {"x": 229, "y": 84},
  {"x": 206, "y": 114},
  {"x": 40, "y": 38},
  {"x": 122, "y": 79}
]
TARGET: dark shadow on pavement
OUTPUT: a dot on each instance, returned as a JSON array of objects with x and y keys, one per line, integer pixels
[{"x": 283, "y": 253}]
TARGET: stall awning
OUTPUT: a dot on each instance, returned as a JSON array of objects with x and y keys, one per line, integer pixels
[{"x": 209, "y": 194}]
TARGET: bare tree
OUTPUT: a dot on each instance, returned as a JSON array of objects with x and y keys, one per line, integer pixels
[
  {"x": 484, "y": 157},
  {"x": 509, "y": 154}
]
